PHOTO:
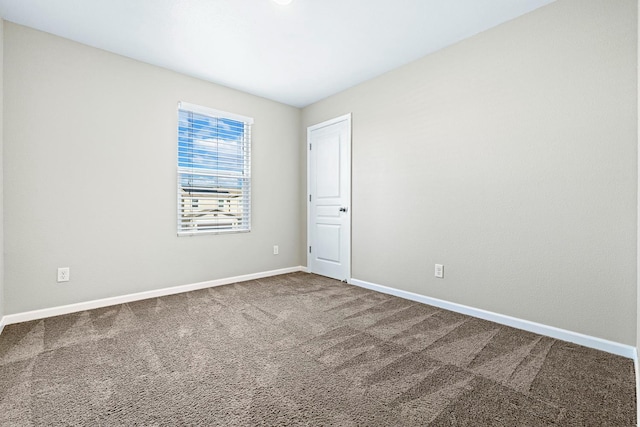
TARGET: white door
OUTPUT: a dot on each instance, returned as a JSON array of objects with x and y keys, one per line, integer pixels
[{"x": 329, "y": 198}]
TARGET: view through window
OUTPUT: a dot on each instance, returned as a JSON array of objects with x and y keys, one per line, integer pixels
[{"x": 214, "y": 171}]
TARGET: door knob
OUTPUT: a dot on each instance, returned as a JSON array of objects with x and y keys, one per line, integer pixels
[{"x": 343, "y": 209}]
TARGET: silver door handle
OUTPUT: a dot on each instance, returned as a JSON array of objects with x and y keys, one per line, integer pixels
[{"x": 344, "y": 209}]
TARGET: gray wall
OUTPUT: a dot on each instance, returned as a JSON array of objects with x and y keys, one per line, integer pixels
[
  {"x": 1, "y": 173},
  {"x": 638, "y": 213},
  {"x": 90, "y": 159},
  {"x": 511, "y": 159}
]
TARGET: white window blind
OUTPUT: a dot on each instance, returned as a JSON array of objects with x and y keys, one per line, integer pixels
[{"x": 214, "y": 171}]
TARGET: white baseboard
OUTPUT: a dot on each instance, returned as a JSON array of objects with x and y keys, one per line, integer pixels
[
  {"x": 538, "y": 328},
  {"x": 105, "y": 302},
  {"x": 550, "y": 331}
]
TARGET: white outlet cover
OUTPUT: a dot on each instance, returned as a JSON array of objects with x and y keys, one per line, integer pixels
[
  {"x": 439, "y": 271},
  {"x": 63, "y": 274}
]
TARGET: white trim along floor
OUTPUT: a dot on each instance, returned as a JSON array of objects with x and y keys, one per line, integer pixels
[{"x": 550, "y": 331}]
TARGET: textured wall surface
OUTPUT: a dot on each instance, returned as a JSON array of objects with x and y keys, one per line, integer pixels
[
  {"x": 511, "y": 158},
  {"x": 90, "y": 167},
  {"x": 1, "y": 168}
]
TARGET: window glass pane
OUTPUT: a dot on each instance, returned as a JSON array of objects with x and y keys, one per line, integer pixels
[{"x": 213, "y": 173}]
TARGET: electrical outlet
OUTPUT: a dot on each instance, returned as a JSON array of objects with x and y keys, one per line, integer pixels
[
  {"x": 439, "y": 271},
  {"x": 63, "y": 274},
  {"x": 276, "y": 251}
]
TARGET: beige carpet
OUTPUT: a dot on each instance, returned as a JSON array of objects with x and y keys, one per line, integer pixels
[{"x": 300, "y": 349}]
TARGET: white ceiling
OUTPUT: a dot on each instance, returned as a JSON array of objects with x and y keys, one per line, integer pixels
[{"x": 295, "y": 54}]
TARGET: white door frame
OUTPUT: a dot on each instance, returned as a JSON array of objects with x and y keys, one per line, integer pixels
[{"x": 347, "y": 118}]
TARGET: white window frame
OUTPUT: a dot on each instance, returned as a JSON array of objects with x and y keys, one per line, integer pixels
[{"x": 213, "y": 174}]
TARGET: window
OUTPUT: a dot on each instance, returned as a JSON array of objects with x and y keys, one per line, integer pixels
[{"x": 214, "y": 171}]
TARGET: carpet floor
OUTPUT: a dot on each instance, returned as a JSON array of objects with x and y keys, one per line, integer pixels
[{"x": 300, "y": 349}]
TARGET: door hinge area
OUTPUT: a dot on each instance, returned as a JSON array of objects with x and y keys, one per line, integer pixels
[
  {"x": 309, "y": 249},
  {"x": 309, "y": 197},
  {"x": 310, "y": 147}
]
